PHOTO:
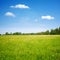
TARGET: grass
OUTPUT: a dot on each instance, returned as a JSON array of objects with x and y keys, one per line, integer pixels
[{"x": 30, "y": 47}]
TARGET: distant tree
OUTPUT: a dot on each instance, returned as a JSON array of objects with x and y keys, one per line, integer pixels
[
  {"x": 56, "y": 31},
  {"x": 39, "y": 33},
  {"x": 17, "y": 33},
  {"x": 47, "y": 32},
  {"x": 32, "y": 33},
  {"x": 59, "y": 30},
  {"x": 6, "y": 33},
  {"x": 0, "y": 34},
  {"x": 52, "y": 32}
]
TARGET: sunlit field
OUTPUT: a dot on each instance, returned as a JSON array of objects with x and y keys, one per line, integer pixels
[{"x": 30, "y": 47}]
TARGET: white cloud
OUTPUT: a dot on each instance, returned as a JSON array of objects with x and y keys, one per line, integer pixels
[
  {"x": 10, "y": 14},
  {"x": 47, "y": 17},
  {"x": 20, "y": 6}
]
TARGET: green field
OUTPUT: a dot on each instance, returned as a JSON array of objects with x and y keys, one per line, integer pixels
[{"x": 30, "y": 47}]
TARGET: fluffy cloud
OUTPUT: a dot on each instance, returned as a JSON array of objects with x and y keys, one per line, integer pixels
[
  {"x": 20, "y": 6},
  {"x": 47, "y": 17},
  {"x": 10, "y": 14}
]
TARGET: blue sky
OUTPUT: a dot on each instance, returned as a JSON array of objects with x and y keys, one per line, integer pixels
[{"x": 29, "y": 15}]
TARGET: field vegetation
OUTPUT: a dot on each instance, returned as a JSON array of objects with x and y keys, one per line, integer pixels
[{"x": 30, "y": 47}]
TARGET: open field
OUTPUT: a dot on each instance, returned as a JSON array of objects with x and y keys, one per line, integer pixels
[{"x": 30, "y": 47}]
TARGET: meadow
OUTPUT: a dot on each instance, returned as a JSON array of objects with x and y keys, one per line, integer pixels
[{"x": 30, "y": 47}]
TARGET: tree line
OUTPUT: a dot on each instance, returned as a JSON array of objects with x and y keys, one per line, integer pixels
[{"x": 51, "y": 32}]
